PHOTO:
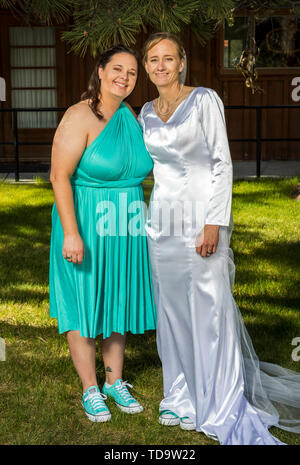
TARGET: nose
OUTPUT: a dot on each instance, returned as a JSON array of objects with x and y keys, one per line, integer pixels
[
  {"x": 123, "y": 75},
  {"x": 160, "y": 65}
]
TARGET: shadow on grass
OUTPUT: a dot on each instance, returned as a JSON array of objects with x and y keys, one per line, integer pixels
[
  {"x": 30, "y": 250},
  {"x": 21, "y": 296},
  {"x": 140, "y": 356},
  {"x": 271, "y": 335},
  {"x": 284, "y": 187},
  {"x": 35, "y": 217},
  {"x": 271, "y": 338},
  {"x": 280, "y": 252},
  {"x": 26, "y": 260}
]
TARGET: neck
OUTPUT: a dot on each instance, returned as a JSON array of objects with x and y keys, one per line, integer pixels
[
  {"x": 169, "y": 93},
  {"x": 109, "y": 103}
]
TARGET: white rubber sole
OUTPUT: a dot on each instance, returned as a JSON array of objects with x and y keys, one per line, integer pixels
[
  {"x": 187, "y": 426},
  {"x": 132, "y": 410},
  {"x": 169, "y": 421},
  {"x": 98, "y": 418}
]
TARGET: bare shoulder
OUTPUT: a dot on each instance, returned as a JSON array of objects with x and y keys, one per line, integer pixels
[
  {"x": 77, "y": 111},
  {"x": 188, "y": 89},
  {"x": 74, "y": 119},
  {"x": 131, "y": 109}
]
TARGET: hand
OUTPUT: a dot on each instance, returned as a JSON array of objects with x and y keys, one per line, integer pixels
[
  {"x": 210, "y": 240},
  {"x": 73, "y": 248}
]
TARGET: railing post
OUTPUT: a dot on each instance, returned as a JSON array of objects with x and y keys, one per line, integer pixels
[
  {"x": 16, "y": 144},
  {"x": 258, "y": 141}
]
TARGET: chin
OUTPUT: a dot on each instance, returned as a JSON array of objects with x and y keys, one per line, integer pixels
[
  {"x": 161, "y": 83},
  {"x": 119, "y": 94}
]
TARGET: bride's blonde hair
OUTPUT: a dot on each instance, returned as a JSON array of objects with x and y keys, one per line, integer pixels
[{"x": 157, "y": 37}]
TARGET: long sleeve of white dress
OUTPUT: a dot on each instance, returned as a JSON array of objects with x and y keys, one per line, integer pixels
[{"x": 213, "y": 124}]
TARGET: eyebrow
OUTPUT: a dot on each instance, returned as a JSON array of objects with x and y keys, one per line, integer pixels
[
  {"x": 155, "y": 56},
  {"x": 133, "y": 69}
]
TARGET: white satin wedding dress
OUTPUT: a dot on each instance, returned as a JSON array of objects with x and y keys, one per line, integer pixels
[{"x": 211, "y": 372}]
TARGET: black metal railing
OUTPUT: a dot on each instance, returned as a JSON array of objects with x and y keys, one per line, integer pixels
[
  {"x": 258, "y": 139},
  {"x": 16, "y": 143}
]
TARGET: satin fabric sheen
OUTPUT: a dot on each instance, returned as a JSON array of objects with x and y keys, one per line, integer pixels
[
  {"x": 111, "y": 291},
  {"x": 210, "y": 370}
]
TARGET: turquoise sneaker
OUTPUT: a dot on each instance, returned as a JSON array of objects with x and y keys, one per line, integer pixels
[
  {"x": 168, "y": 418},
  {"x": 122, "y": 397},
  {"x": 94, "y": 405}
]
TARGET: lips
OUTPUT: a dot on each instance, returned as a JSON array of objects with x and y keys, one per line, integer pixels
[{"x": 121, "y": 86}]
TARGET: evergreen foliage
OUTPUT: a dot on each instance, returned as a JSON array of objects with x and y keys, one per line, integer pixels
[{"x": 98, "y": 24}]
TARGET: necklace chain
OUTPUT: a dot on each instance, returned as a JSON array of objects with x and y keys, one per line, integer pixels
[{"x": 171, "y": 104}]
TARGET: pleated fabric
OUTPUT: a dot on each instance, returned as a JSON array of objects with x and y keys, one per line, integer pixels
[{"x": 111, "y": 291}]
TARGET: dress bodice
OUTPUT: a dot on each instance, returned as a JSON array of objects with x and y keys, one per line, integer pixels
[
  {"x": 117, "y": 157},
  {"x": 191, "y": 158}
]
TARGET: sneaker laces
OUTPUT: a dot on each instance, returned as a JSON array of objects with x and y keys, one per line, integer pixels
[
  {"x": 124, "y": 391},
  {"x": 97, "y": 399}
]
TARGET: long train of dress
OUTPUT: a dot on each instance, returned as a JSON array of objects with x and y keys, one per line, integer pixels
[{"x": 210, "y": 369}]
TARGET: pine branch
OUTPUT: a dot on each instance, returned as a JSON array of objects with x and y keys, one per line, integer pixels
[
  {"x": 98, "y": 24},
  {"x": 264, "y": 4},
  {"x": 41, "y": 11},
  {"x": 47, "y": 10},
  {"x": 209, "y": 16},
  {"x": 103, "y": 24},
  {"x": 170, "y": 15},
  {"x": 7, "y": 3}
]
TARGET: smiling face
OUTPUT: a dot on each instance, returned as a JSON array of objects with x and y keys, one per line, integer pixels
[
  {"x": 163, "y": 63},
  {"x": 119, "y": 75}
]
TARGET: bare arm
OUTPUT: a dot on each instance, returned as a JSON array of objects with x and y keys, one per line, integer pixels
[{"x": 68, "y": 145}]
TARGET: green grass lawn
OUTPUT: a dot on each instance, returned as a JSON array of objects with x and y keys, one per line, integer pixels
[{"x": 40, "y": 392}]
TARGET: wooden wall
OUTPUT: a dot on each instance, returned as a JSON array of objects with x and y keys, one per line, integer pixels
[{"x": 204, "y": 69}]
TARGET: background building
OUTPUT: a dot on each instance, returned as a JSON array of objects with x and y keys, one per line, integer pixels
[{"x": 39, "y": 71}]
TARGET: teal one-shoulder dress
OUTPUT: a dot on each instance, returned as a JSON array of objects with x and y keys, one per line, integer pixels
[{"x": 111, "y": 290}]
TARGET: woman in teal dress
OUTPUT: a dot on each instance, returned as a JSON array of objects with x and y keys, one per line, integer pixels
[{"x": 99, "y": 276}]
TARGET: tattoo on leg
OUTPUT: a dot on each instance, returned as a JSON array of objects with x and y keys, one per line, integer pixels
[{"x": 108, "y": 369}]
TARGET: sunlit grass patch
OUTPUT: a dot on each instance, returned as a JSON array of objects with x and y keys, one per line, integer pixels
[{"x": 40, "y": 392}]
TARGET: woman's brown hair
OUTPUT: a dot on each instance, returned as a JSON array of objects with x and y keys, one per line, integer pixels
[{"x": 93, "y": 93}]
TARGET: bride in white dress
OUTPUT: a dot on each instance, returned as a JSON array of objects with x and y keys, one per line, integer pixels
[{"x": 213, "y": 381}]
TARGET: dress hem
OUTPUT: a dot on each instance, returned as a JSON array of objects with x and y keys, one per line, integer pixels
[{"x": 62, "y": 331}]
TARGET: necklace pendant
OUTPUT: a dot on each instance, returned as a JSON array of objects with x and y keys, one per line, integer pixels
[
  {"x": 171, "y": 105},
  {"x": 163, "y": 114}
]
